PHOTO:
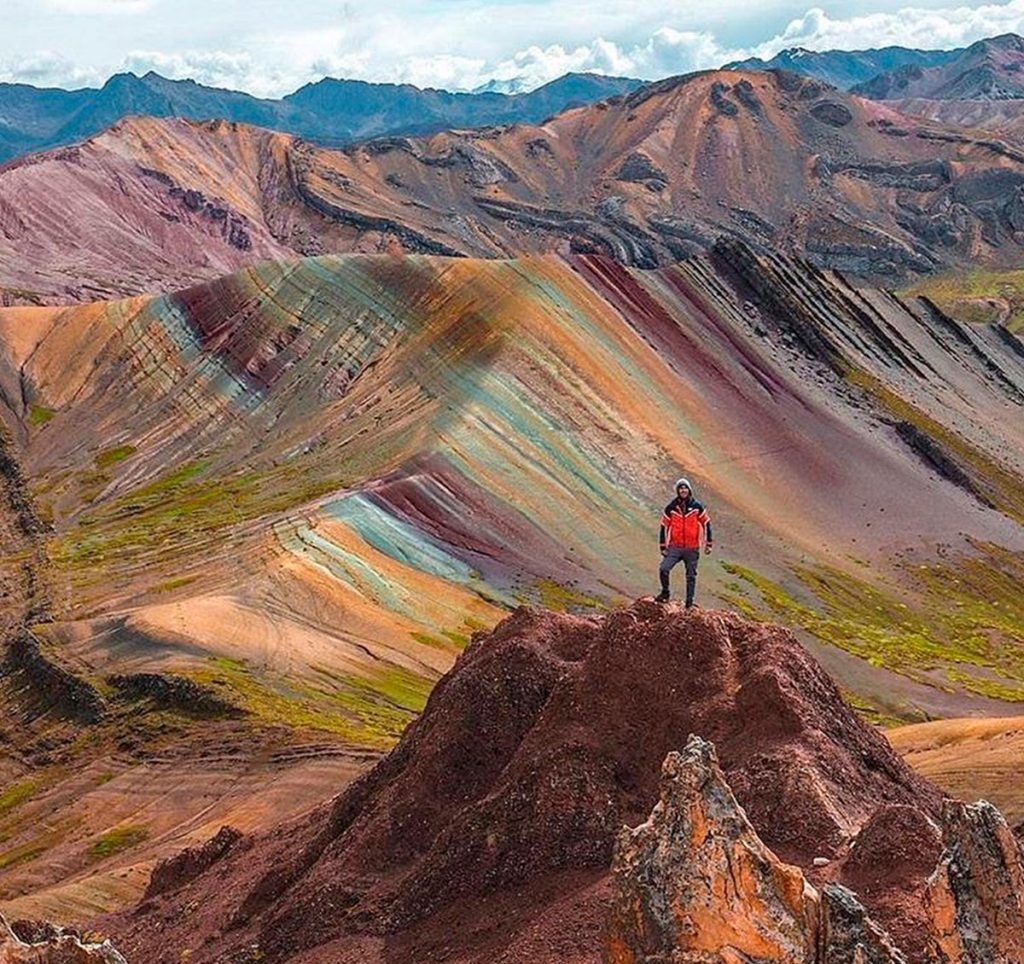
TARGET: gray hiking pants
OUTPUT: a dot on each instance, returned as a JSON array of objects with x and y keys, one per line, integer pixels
[{"x": 689, "y": 558}]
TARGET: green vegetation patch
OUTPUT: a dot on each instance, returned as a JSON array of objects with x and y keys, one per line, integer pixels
[
  {"x": 977, "y": 297},
  {"x": 181, "y": 512},
  {"x": 560, "y": 597},
  {"x": 426, "y": 639},
  {"x": 22, "y": 854},
  {"x": 117, "y": 840},
  {"x": 112, "y": 456},
  {"x": 449, "y": 639},
  {"x": 169, "y": 585},
  {"x": 16, "y": 794},
  {"x": 370, "y": 710},
  {"x": 958, "y": 620},
  {"x": 880, "y": 717},
  {"x": 39, "y": 414}
]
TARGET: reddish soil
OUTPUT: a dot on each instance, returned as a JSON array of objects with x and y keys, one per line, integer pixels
[
  {"x": 888, "y": 867},
  {"x": 488, "y": 832}
]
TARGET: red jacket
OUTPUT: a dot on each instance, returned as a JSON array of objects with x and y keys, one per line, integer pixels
[{"x": 684, "y": 525}]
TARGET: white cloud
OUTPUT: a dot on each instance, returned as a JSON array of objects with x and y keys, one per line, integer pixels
[
  {"x": 908, "y": 27},
  {"x": 215, "y": 68},
  {"x": 48, "y": 69},
  {"x": 98, "y": 7},
  {"x": 463, "y": 45}
]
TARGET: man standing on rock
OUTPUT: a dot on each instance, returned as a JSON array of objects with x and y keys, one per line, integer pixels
[{"x": 685, "y": 526}]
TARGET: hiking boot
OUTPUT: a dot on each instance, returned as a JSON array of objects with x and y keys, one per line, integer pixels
[{"x": 661, "y": 597}]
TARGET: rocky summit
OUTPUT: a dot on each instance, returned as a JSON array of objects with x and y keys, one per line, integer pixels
[{"x": 494, "y": 830}]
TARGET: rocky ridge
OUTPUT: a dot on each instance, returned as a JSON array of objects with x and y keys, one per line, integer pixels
[
  {"x": 695, "y": 882},
  {"x": 989, "y": 70},
  {"x": 503, "y": 803},
  {"x": 779, "y": 160}
]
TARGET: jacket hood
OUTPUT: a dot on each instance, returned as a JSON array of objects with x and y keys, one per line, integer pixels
[{"x": 687, "y": 483}]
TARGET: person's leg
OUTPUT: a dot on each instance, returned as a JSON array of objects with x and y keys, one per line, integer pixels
[
  {"x": 667, "y": 562},
  {"x": 690, "y": 559}
]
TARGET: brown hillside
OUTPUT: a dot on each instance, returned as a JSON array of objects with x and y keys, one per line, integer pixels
[{"x": 647, "y": 178}]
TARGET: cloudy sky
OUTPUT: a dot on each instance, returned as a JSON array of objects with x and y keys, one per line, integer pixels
[{"x": 271, "y": 47}]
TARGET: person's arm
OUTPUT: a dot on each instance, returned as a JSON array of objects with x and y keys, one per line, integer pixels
[
  {"x": 709, "y": 538},
  {"x": 663, "y": 531}
]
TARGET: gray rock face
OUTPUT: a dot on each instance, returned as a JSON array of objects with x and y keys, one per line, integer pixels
[
  {"x": 848, "y": 936},
  {"x": 640, "y": 169},
  {"x": 977, "y": 892},
  {"x": 835, "y": 115}
]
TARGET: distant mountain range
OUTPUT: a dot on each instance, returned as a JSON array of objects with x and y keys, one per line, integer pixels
[
  {"x": 330, "y": 111},
  {"x": 846, "y": 68},
  {"x": 336, "y": 112},
  {"x": 990, "y": 69}
]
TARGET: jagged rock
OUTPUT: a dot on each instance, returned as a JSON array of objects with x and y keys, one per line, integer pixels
[
  {"x": 744, "y": 91},
  {"x": 54, "y": 686},
  {"x": 720, "y": 102},
  {"x": 932, "y": 452},
  {"x": 918, "y": 176},
  {"x": 173, "y": 691},
  {"x": 640, "y": 169},
  {"x": 694, "y": 883},
  {"x": 976, "y": 897},
  {"x": 61, "y": 947}
]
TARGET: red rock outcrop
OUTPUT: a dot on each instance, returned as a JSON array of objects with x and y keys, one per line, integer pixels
[
  {"x": 55, "y": 947},
  {"x": 889, "y": 865},
  {"x": 490, "y": 829},
  {"x": 695, "y": 883},
  {"x": 695, "y": 879},
  {"x": 176, "y": 871}
]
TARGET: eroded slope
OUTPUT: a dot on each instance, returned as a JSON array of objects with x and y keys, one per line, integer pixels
[
  {"x": 646, "y": 178},
  {"x": 287, "y": 498}
]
